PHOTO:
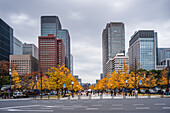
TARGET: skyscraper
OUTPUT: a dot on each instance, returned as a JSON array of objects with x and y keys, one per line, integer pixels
[
  {"x": 71, "y": 64},
  {"x": 6, "y": 41},
  {"x": 64, "y": 35},
  {"x": 30, "y": 49},
  {"x": 142, "y": 50},
  {"x": 50, "y": 25},
  {"x": 17, "y": 46},
  {"x": 51, "y": 52},
  {"x": 113, "y": 41},
  {"x": 163, "y": 53}
]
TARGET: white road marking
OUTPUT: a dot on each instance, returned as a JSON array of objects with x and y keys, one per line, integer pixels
[
  {"x": 166, "y": 108},
  {"x": 159, "y": 104},
  {"x": 20, "y": 106},
  {"x": 31, "y": 110},
  {"x": 115, "y": 108},
  {"x": 68, "y": 108},
  {"x": 92, "y": 108},
  {"x": 97, "y": 105},
  {"x": 142, "y": 107},
  {"x": 54, "y": 106},
  {"x": 117, "y": 104},
  {"x": 138, "y": 104}
]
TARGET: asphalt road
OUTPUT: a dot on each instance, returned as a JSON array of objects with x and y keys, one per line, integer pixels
[{"x": 146, "y": 105}]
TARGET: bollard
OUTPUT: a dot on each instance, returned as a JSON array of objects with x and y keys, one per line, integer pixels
[
  {"x": 68, "y": 97},
  {"x": 79, "y": 97},
  {"x": 90, "y": 97},
  {"x": 136, "y": 96},
  {"x": 48, "y": 96},
  {"x": 101, "y": 96},
  {"x": 124, "y": 97},
  {"x": 149, "y": 96},
  {"x": 58, "y": 97}
]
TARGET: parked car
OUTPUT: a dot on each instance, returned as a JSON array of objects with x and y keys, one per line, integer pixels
[
  {"x": 142, "y": 91},
  {"x": 17, "y": 94},
  {"x": 151, "y": 91}
]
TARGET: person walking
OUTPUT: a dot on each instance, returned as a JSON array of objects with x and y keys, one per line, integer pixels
[
  {"x": 167, "y": 91},
  {"x": 130, "y": 93}
]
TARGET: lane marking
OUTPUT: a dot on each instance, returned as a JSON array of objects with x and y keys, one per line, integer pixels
[
  {"x": 31, "y": 110},
  {"x": 97, "y": 105},
  {"x": 92, "y": 108},
  {"x": 117, "y": 104},
  {"x": 20, "y": 106},
  {"x": 68, "y": 108},
  {"x": 166, "y": 108},
  {"x": 159, "y": 104},
  {"x": 142, "y": 107},
  {"x": 138, "y": 104},
  {"x": 116, "y": 108}
]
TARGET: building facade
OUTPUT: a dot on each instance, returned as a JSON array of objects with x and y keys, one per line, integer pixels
[
  {"x": 163, "y": 53},
  {"x": 24, "y": 63},
  {"x": 51, "y": 52},
  {"x": 60, "y": 52},
  {"x": 142, "y": 50},
  {"x": 17, "y": 46},
  {"x": 6, "y": 41},
  {"x": 116, "y": 63},
  {"x": 101, "y": 76},
  {"x": 71, "y": 64},
  {"x": 30, "y": 49},
  {"x": 113, "y": 41},
  {"x": 64, "y": 35},
  {"x": 50, "y": 25}
]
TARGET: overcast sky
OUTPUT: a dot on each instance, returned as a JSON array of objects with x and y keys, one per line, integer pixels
[{"x": 85, "y": 20}]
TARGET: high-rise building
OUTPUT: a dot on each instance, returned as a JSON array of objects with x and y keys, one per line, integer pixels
[
  {"x": 163, "y": 53},
  {"x": 50, "y": 25},
  {"x": 60, "y": 52},
  {"x": 142, "y": 50},
  {"x": 6, "y": 41},
  {"x": 17, "y": 46},
  {"x": 71, "y": 64},
  {"x": 30, "y": 49},
  {"x": 116, "y": 63},
  {"x": 64, "y": 35},
  {"x": 51, "y": 52},
  {"x": 24, "y": 63},
  {"x": 113, "y": 41},
  {"x": 101, "y": 76}
]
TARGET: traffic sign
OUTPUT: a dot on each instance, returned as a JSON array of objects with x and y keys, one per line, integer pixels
[
  {"x": 64, "y": 85},
  {"x": 140, "y": 82}
]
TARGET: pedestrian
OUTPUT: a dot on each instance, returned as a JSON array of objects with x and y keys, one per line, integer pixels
[
  {"x": 133, "y": 91},
  {"x": 111, "y": 93},
  {"x": 114, "y": 92},
  {"x": 136, "y": 92},
  {"x": 130, "y": 93},
  {"x": 167, "y": 91}
]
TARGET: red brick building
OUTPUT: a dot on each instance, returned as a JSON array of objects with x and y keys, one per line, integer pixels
[{"x": 51, "y": 52}]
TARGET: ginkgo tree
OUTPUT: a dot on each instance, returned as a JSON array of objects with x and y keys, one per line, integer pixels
[{"x": 15, "y": 79}]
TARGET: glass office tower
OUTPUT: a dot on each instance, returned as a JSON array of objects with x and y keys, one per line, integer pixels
[
  {"x": 50, "y": 25},
  {"x": 163, "y": 53},
  {"x": 142, "y": 47},
  {"x": 113, "y": 42},
  {"x": 64, "y": 35},
  {"x": 6, "y": 41}
]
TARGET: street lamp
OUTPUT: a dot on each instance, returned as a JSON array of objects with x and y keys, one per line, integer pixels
[
  {"x": 126, "y": 88},
  {"x": 72, "y": 89},
  {"x": 10, "y": 82},
  {"x": 111, "y": 89}
]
